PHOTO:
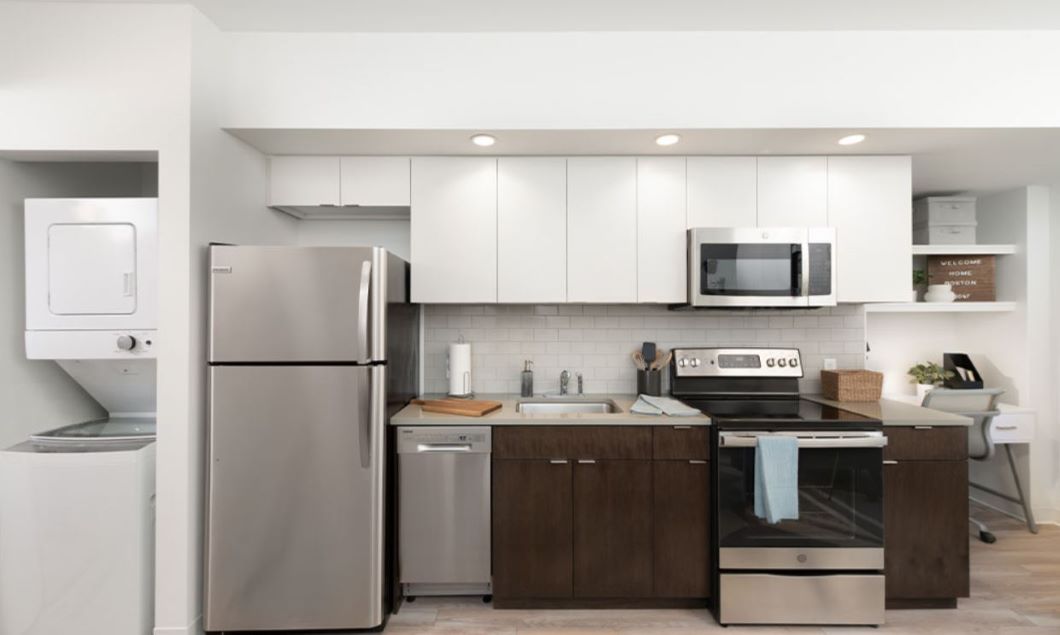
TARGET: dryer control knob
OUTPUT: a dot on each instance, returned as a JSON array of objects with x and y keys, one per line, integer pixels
[{"x": 126, "y": 342}]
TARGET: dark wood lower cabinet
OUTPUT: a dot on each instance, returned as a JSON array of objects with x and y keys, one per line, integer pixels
[
  {"x": 926, "y": 531},
  {"x": 682, "y": 529},
  {"x": 532, "y": 529},
  {"x": 612, "y": 529}
]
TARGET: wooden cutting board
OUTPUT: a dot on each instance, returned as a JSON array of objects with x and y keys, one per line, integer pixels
[{"x": 462, "y": 407}]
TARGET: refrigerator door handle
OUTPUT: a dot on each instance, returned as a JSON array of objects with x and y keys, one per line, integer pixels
[
  {"x": 365, "y": 398},
  {"x": 362, "y": 313}
]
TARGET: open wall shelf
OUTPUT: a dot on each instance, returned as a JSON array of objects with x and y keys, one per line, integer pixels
[
  {"x": 963, "y": 250},
  {"x": 941, "y": 307}
]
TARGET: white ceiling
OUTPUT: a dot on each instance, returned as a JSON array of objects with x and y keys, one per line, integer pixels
[
  {"x": 623, "y": 15},
  {"x": 944, "y": 160}
]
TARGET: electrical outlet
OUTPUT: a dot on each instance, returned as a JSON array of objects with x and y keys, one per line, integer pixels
[{"x": 829, "y": 363}]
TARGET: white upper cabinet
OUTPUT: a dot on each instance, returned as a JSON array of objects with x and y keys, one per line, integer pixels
[
  {"x": 454, "y": 229},
  {"x": 602, "y": 229},
  {"x": 662, "y": 270},
  {"x": 297, "y": 181},
  {"x": 793, "y": 191},
  {"x": 375, "y": 181},
  {"x": 722, "y": 192},
  {"x": 531, "y": 229},
  {"x": 870, "y": 207}
]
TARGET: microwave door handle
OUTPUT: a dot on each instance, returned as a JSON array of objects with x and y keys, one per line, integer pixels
[{"x": 806, "y": 253}]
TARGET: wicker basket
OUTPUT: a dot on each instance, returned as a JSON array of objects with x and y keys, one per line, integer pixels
[{"x": 851, "y": 385}]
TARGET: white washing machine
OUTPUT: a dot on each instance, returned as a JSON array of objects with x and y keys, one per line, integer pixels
[{"x": 77, "y": 530}]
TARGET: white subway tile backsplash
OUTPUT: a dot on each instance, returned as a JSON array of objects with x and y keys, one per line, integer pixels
[{"x": 597, "y": 340}]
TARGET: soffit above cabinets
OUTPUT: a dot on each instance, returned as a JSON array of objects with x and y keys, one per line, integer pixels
[{"x": 944, "y": 160}]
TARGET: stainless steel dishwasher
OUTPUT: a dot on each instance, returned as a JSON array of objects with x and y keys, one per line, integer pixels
[{"x": 444, "y": 510}]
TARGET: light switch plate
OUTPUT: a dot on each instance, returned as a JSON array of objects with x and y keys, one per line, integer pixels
[{"x": 829, "y": 363}]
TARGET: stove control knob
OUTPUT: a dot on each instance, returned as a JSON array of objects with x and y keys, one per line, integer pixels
[
  {"x": 793, "y": 362},
  {"x": 682, "y": 362},
  {"x": 770, "y": 362},
  {"x": 126, "y": 342},
  {"x": 694, "y": 362},
  {"x": 782, "y": 362}
]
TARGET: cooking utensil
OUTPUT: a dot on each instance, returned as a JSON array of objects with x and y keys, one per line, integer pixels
[
  {"x": 648, "y": 352},
  {"x": 638, "y": 361},
  {"x": 662, "y": 361}
]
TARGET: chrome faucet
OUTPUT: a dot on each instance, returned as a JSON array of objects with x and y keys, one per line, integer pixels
[{"x": 564, "y": 381}]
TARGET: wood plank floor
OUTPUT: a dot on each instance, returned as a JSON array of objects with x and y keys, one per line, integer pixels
[{"x": 1015, "y": 591}]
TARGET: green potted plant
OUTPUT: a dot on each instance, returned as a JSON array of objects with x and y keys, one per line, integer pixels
[
  {"x": 927, "y": 376},
  {"x": 919, "y": 280}
]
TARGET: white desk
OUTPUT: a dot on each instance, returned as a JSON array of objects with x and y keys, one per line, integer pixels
[{"x": 1015, "y": 424}]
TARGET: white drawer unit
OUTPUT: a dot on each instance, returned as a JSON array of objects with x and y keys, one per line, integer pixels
[
  {"x": 1012, "y": 427},
  {"x": 91, "y": 264},
  {"x": 944, "y": 210}
]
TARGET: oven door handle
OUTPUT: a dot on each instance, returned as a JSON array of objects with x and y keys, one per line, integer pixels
[{"x": 870, "y": 440}]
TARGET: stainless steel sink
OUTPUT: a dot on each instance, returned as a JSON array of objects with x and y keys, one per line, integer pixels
[{"x": 560, "y": 406}]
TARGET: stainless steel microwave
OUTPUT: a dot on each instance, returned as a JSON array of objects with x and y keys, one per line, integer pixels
[{"x": 761, "y": 267}]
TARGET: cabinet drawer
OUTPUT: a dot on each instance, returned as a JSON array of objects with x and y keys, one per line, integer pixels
[
  {"x": 572, "y": 442},
  {"x": 1016, "y": 427},
  {"x": 926, "y": 443},
  {"x": 681, "y": 442}
]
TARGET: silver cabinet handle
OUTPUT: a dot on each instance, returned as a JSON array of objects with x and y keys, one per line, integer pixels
[
  {"x": 889, "y": 462},
  {"x": 558, "y": 461},
  {"x": 697, "y": 462},
  {"x": 923, "y": 427},
  {"x": 586, "y": 461},
  {"x": 682, "y": 427},
  {"x": 362, "y": 318},
  {"x": 1006, "y": 427}
]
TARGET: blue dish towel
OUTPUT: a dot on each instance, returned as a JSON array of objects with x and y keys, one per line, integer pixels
[{"x": 777, "y": 478}]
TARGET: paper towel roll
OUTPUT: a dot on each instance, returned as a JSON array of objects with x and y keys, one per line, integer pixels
[{"x": 459, "y": 370}]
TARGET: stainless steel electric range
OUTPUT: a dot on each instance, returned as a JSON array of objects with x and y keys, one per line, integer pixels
[{"x": 824, "y": 567}]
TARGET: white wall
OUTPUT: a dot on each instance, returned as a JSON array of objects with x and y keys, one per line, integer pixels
[
  {"x": 37, "y": 395},
  {"x": 116, "y": 77},
  {"x": 645, "y": 80},
  {"x": 392, "y": 234}
]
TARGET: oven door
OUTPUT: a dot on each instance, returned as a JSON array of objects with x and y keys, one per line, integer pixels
[
  {"x": 840, "y": 486},
  {"x": 747, "y": 267}
]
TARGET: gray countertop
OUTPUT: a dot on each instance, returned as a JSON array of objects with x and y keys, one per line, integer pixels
[
  {"x": 413, "y": 415},
  {"x": 896, "y": 413}
]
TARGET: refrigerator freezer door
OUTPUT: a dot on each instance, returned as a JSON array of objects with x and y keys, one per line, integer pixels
[
  {"x": 293, "y": 304},
  {"x": 295, "y": 498}
]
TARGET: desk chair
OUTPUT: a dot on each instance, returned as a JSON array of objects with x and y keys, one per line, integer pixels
[{"x": 981, "y": 406}]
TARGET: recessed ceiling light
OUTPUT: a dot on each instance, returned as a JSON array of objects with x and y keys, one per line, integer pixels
[
  {"x": 484, "y": 140},
  {"x": 850, "y": 140},
  {"x": 667, "y": 139}
]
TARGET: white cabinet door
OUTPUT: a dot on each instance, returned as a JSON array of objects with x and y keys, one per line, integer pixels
[
  {"x": 602, "y": 229},
  {"x": 662, "y": 270},
  {"x": 532, "y": 229},
  {"x": 454, "y": 229},
  {"x": 722, "y": 192},
  {"x": 870, "y": 207},
  {"x": 375, "y": 181},
  {"x": 792, "y": 191},
  {"x": 304, "y": 181}
]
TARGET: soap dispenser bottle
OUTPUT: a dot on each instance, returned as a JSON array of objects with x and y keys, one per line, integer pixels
[{"x": 528, "y": 379}]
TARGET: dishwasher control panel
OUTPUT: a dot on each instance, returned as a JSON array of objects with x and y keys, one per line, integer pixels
[{"x": 444, "y": 439}]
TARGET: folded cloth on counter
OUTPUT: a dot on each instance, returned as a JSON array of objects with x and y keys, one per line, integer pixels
[
  {"x": 777, "y": 478},
  {"x": 646, "y": 405}
]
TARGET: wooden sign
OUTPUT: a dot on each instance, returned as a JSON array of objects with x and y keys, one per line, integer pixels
[{"x": 971, "y": 277}]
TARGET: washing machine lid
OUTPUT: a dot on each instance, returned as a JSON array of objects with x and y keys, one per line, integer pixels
[{"x": 112, "y": 433}]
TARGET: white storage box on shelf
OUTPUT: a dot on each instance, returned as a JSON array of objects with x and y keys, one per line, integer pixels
[{"x": 944, "y": 220}]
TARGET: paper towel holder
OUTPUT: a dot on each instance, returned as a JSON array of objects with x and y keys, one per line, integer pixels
[{"x": 465, "y": 380}]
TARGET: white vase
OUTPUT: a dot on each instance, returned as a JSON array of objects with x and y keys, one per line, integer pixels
[
  {"x": 922, "y": 390},
  {"x": 940, "y": 293}
]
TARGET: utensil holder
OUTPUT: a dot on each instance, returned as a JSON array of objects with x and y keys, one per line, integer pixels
[{"x": 649, "y": 382}]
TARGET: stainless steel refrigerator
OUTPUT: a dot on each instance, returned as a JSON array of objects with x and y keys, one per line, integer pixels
[{"x": 311, "y": 349}]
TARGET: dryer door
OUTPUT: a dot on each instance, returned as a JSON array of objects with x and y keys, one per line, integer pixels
[{"x": 92, "y": 269}]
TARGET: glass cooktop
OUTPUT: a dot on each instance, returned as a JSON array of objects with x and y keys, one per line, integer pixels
[{"x": 780, "y": 411}]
